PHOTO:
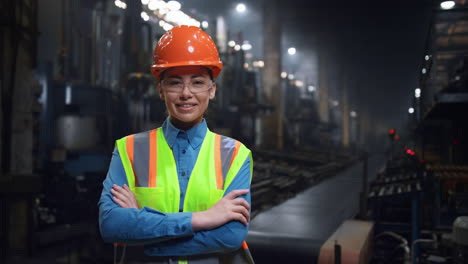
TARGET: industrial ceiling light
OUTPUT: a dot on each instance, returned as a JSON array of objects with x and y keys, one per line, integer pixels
[
  {"x": 246, "y": 45},
  {"x": 156, "y": 4},
  {"x": 120, "y": 4},
  {"x": 292, "y": 51},
  {"x": 240, "y": 8},
  {"x": 173, "y": 5},
  {"x": 417, "y": 92},
  {"x": 411, "y": 110},
  {"x": 447, "y": 5},
  {"x": 144, "y": 16}
]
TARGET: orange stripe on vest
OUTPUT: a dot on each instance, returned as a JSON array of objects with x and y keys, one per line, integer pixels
[
  {"x": 130, "y": 144},
  {"x": 218, "y": 168},
  {"x": 234, "y": 154}
]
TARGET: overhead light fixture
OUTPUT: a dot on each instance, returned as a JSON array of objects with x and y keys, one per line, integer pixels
[
  {"x": 292, "y": 51},
  {"x": 173, "y": 5},
  {"x": 120, "y": 4},
  {"x": 258, "y": 64},
  {"x": 240, "y": 8},
  {"x": 144, "y": 16},
  {"x": 447, "y": 5},
  {"x": 411, "y": 110},
  {"x": 246, "y": 45},
  {"x": 156, "y": 4},
  {"x": 417, "y": 92},
  {"x": 284, "y": 75}
]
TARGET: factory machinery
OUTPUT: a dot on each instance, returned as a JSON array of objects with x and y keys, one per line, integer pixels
[
  {"x": 420, "y": 212},
  {"x": 419, "y": 200},
  {"x": 94, "y": 89}
]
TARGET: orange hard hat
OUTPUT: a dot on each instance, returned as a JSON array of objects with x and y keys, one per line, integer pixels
[{"x": 186, "y": 46}]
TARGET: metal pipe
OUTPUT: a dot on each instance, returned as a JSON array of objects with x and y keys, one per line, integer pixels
[{"x": 417, "y": 241}]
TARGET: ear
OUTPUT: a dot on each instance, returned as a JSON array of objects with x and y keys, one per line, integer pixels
[{"x": 213, "y": 91}]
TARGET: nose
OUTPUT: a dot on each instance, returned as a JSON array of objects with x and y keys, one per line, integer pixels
[{"x": 186, "y": 92}]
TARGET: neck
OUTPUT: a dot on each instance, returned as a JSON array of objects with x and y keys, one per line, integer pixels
[{"x": 185, "y": 125}]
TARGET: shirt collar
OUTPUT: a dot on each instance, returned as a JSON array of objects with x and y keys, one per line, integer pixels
[{"x": 195, "y": 135}]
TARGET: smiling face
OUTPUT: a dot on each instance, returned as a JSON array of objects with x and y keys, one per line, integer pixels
[{"x": 185, "y": 108}]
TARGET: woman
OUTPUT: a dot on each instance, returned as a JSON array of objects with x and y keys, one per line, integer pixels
[{"x": 181, "y": 190}]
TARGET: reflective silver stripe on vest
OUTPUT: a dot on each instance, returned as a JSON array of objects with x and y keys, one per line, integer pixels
[
  {"x": 227, "y": 145},
  {"x": 140, "y": 158}
]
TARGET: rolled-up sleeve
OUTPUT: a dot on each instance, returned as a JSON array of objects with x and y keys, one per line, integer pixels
[
  {"x": 136, "y": 226},
  {"x": 225, "y": 238}
]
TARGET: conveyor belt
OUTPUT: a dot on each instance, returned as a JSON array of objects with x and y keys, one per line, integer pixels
[{"x": 296, "y": 229}]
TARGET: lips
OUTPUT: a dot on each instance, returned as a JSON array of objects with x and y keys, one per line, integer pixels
[{"x": 185, "y": 106}]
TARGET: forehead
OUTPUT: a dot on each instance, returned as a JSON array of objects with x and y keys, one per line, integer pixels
[{"x": 186, "y": 70}]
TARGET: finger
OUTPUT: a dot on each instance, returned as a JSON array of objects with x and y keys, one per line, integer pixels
[
  {"x": 120, "y": 202},
  {"x": 242, "y": 202},
  {"x": 235, "y": 193},
  {"x": 125, "y": 192},
  {"x": 129, "y": 192},
  {"x": 241, "y": 218},
  {"x": 242, "y": 210},
  {"x": 120, "y": 196}
]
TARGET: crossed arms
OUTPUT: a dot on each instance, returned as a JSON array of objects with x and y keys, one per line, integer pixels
[{"x": 221, "y": 228}]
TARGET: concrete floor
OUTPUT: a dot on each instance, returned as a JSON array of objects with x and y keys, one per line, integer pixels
[{"x": 294, "y": 231}]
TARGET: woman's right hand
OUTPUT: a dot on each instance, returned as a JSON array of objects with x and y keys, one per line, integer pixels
[
  {"x": 230, "y": 208},
  {"x": 123, "y": 196}
]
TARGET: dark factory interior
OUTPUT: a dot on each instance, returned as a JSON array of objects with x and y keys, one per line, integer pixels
[{"x": 355, "y": 113}]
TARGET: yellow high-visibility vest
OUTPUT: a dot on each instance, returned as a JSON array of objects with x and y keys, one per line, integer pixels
[{"x": 151, "y": 173}]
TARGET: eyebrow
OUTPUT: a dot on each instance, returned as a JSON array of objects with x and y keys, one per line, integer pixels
[{"x": 191, "y": 77}]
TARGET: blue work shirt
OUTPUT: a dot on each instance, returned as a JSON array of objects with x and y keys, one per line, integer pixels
[{"x": 158, "y": 230}]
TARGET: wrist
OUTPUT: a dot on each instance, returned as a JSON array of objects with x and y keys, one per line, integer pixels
[{"x": 197, "y": 221}]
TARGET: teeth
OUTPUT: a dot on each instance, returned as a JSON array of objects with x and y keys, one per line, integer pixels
[{"x": 186, "y": 105}]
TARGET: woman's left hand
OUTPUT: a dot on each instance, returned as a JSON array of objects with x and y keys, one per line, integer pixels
[{"x": 124, "y": 196}]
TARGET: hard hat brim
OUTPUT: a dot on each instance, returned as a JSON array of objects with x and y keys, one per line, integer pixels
[{"x": 215, "y": 67}]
